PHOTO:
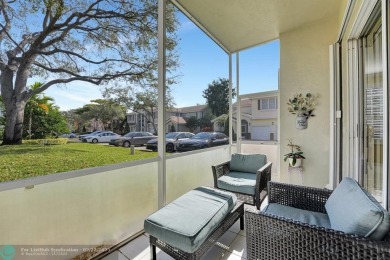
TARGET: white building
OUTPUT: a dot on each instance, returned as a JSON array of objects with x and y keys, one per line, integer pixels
[{"x": 259, "y": 116}]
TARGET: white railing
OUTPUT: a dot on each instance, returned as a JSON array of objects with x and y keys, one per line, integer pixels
[{"x": 187, "y": 171}]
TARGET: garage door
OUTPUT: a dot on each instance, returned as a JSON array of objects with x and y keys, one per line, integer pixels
[{"x": 261, "y": 133}]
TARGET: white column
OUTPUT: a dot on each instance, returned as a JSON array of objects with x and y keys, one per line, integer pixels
[
  {"x": 161, "y": 104},
  {"x": 230, "y": 101},
  {"x": 238, "y": 116}
]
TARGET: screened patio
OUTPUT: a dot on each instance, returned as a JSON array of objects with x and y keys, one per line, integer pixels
[{"x": 113, "y": 201}]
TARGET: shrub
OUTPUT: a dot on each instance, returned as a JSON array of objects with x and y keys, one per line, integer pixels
[{"x": 46, "y": 141}]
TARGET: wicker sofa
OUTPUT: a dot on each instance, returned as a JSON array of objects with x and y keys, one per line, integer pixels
[
  {"x": 246, "y": 175},
  {"x": 270, "y": 236}
]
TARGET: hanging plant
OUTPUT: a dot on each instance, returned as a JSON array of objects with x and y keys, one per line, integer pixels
[{"x": 302, "y": 106}]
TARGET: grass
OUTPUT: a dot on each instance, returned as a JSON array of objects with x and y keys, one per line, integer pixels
[{"x": 26, "y": 161}]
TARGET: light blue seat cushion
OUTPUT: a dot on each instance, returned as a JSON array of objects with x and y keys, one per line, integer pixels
[
  {"x": 354, "y": 211},
  {"x": 247, "y": 162},
  {"x": 301, "y": 215},
  {"x": 186, "y": 222},
  {"x": 241, "y": 182}
]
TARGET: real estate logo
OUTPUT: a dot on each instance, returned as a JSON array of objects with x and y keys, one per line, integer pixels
[{"x": 7, "y": 252}]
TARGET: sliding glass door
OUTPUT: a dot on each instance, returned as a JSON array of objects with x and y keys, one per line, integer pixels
[{"x": 371, "y": 114}]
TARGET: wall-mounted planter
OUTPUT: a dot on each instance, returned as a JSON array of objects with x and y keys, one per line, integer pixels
[
  {"x": 301, "y": 122},
  {"x": 298, "y": 162},
  {"x": 302, "y": 106}
]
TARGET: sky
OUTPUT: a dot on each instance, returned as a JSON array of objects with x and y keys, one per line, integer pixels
[{"x": 201, "y": 62}]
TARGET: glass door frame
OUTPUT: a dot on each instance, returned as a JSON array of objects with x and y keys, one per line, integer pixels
[{"x": 355, "y": 79}]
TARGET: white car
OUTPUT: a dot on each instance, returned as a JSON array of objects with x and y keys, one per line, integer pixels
[{"x": 103, "y": 137}]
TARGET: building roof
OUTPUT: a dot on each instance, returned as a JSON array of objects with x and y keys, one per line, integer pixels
[
  {"x": 176, "y": 120},
  {"x": 191, "y": 109},
  {"x": 258, "y": 95},
  {"x": 244, "y": 103},
  {"x": 238, "y": 25}
]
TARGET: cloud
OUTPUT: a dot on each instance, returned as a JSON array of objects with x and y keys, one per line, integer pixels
[{"x": 73, "y": 95}]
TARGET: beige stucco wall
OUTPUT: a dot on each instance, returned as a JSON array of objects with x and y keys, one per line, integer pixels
[{"x": 304, "y": 67}]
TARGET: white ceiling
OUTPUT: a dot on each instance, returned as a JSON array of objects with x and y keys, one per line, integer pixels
[{"x": 240, "y": 24}]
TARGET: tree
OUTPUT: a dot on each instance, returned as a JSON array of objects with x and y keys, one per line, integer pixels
[
  {"x": 144, "y": 101},
  {"x": 217, "y": 96},
  {"x": 221, "y": 120},
  {"x": 2, "y": 117},
  {"x": 73, "y": 120},
  {"x": 192, "y": 123},
  {"x": 226, "y": 130},
  {"x": 61, "y": 41},
  {"x": 107, "y": 112},
  {"x": 205, "y": 122},
  {"x": 44, "y": 118},
  {"x": 38, "y": 101}
]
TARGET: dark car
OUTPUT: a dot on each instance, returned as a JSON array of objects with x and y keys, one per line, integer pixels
[
  {"x": 171, "y": 140},
  {"x": 202, "y": 140},
  {"x": 132, "y": 138}
]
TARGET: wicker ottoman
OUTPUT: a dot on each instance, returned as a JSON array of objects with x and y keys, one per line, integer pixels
[{"x": 189, "y": 226}]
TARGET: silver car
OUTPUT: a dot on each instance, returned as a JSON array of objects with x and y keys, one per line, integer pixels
[
  {"x": 132, "y": 138},
  {"x": 103, "y": 137}
]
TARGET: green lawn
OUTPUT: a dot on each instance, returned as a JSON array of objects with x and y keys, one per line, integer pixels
[{"x": 25, "y": 161}]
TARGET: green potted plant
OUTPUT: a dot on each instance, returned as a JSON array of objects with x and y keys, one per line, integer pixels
[
  {"x": 295, "y": 156},
  {"x": 302, "y": 106}
]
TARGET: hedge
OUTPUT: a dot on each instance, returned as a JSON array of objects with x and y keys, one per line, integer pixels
[{"x": 46, "y": 141}]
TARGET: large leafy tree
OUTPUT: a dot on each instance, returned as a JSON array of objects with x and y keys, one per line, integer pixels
[
  {"x": 140, "y": 101},
  {"x": 217, "y": 96},
  {"x": 61, "y": 41},
  {"x": 146, "y": 102},
  {"x": 107, "y": 112}
]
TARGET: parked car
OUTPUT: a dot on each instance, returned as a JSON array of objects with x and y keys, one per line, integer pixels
[
  {"x": 88, "y": 133},
  {"x": 171, "y": 140},
  {"x": 83, "y": 138},
  {"x": 103, "y": 137},
  {"x": 202, "y": 140},
  {"x": 132, "y": 138},
  {"x": 71, "y": 135}
]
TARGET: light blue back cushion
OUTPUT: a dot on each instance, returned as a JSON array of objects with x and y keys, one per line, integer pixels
[
  {"x": 352, "y": 210},
  {"x": 247, "y": 162}
]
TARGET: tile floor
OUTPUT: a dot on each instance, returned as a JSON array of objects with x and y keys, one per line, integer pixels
[{"x": 232, "y": 246}]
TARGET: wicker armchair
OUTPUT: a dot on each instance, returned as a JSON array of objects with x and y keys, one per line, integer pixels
[
  {"x": 273, "y": 237},
  {"x": 263, "y": 176}
]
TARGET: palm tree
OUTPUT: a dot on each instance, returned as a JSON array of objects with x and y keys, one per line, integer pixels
[{"x": 37, "y": 101}]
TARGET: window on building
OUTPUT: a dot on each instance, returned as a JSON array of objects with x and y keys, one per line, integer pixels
[
  {"x": 131, "y": 118},
  {"x": 267, "y": 103}
]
